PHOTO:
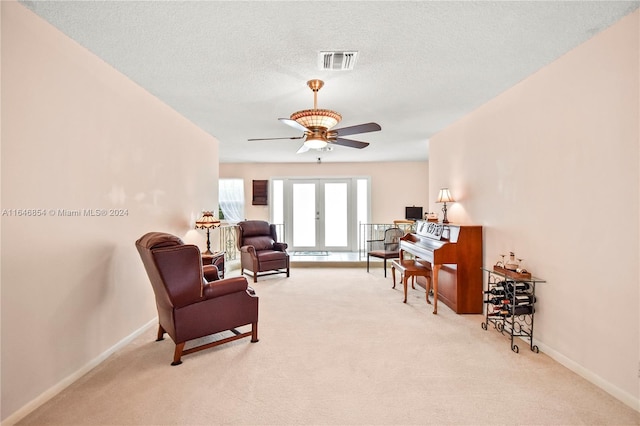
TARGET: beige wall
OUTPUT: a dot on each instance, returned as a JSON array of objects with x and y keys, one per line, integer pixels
[
  {"x": 393, "y": 185},
  {"x": 76, "y": 134},
  {"x": 550, "y": 168}
]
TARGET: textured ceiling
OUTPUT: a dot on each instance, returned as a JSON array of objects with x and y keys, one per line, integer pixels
[{"x": 234, "y": 67}]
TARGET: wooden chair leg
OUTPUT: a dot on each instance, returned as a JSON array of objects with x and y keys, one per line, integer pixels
[
  {"x": 254, "y": 332},
  {"x": 255, "y": 277},
  {"x": 393, "y": 274},
  {"x": 177, "y": 354},
  {"x": 160, "y": 333},
  {"x": 367, "y": 262},
  {"x": 405, "y": 278}
]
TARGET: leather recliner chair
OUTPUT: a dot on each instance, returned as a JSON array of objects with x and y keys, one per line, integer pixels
[
  {"x": 192, "y": 300},
  {"x": 260, "y": 252}
]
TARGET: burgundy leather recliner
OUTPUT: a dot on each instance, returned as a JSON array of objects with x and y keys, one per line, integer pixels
[
  {"x": 259, "y": 250},
  {"x": 192, "y": 301}
]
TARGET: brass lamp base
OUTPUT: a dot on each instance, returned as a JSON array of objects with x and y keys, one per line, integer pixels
[{"x": 444, "y": 210}]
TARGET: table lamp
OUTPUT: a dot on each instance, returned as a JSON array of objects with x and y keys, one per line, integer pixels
[
  {"x": 444, "y": 196},
  {"x": 207, "y": 221}
]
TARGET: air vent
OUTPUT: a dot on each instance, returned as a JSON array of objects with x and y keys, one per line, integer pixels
[{"x": 337, "y": 61}]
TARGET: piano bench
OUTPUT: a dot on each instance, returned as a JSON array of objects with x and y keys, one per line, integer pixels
[{"x": 410, "y": 269}]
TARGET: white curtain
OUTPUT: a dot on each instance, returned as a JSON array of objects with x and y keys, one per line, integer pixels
[{"x": 231, "y": 199}]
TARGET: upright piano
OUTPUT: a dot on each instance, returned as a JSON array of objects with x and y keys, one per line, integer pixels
[{"x": 454, "y": 253}]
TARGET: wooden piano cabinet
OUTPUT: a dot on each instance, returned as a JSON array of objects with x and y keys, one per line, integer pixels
[
  {"x": 447, "y": 286},
  {"x": 460, "y": 283},
  {"x": 463, "y": 298},
  {"x": 460, "y": 291},
  {"x": 467, "y": 274}
]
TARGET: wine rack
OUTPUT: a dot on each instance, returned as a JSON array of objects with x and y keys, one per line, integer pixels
[{"x": 510, "y": 305}]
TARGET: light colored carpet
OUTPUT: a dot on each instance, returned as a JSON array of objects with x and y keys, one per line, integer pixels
[{"x": 338, "y": 346}]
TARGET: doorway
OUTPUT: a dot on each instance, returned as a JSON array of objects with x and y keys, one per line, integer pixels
[{"x": 320, "y": 214}]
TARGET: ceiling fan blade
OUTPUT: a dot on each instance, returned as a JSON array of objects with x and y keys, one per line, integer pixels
[
  {"x": 350, "y": 143},
  {"x": 273, "y": 139},
  {"x": 302, "y": 149},
  {"x": 294, "y": 124},
  {"x": 360, "y": 128}
]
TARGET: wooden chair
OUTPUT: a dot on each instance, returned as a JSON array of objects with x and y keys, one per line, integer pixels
[{"x": 386, "y": 248}]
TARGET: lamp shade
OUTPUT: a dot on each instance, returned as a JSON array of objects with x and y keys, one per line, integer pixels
[
  {"x": 444, "y": 196},
  {"x": 317, "y": 118},
  {"x": 207, "y": 221}
]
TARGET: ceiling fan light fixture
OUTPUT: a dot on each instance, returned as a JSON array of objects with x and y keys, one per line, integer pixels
[
  {"x": 317, "y": 118},
  {"x": 314, "y": 142}
]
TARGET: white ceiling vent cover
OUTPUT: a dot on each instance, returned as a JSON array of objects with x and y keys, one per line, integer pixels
[{"x": 337, "y": 61}]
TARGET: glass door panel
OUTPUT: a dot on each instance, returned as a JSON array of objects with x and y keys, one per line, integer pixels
[
  {"x": 304, "y": 215},
  {"x": 336, "y": 217}
]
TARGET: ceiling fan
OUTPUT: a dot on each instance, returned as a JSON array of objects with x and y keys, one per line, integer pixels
[{"x": 316, "y": 124}]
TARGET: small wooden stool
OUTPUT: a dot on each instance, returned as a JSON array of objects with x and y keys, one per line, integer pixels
[{"x": 411, "y": 268}]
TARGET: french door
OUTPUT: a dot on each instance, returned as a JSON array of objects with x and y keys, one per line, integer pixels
[{"x": 320, "y": 214}]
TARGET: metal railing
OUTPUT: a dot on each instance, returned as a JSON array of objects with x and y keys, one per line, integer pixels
[
  {"x": 366, "y": 232},
  {"x": 375, "y": 231},
  {"x": 229, "y": 242}
]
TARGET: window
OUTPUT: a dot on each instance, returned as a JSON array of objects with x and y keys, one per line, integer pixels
[
  {"x": 363, "y": 204},
  {"x": 277, "y": 201},
  {"x": 231, "y": 199}
]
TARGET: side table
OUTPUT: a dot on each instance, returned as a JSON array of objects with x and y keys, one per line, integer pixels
[{"x": 216, "y": 259}]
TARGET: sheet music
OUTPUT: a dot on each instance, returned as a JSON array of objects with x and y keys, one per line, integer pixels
[{"x": 429, "y": 229}]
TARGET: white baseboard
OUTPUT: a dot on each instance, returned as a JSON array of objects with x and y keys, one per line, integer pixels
[
  {"x": 614, "y": 391},
  {"x": 60, "y": 386}
]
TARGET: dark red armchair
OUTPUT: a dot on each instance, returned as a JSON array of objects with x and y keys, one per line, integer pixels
[
  {"x": 260, "y": 252},
  {"x": 192, "y": 301}
]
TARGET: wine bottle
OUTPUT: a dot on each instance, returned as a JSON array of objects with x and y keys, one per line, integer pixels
[
  {"x": 519, "y": 310},
  {"x": 518, "y": 287},
  {"x": 497, "y": 291},
  {"x": 524, "y": 299},
  {"x": 497, "y": 301}
]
